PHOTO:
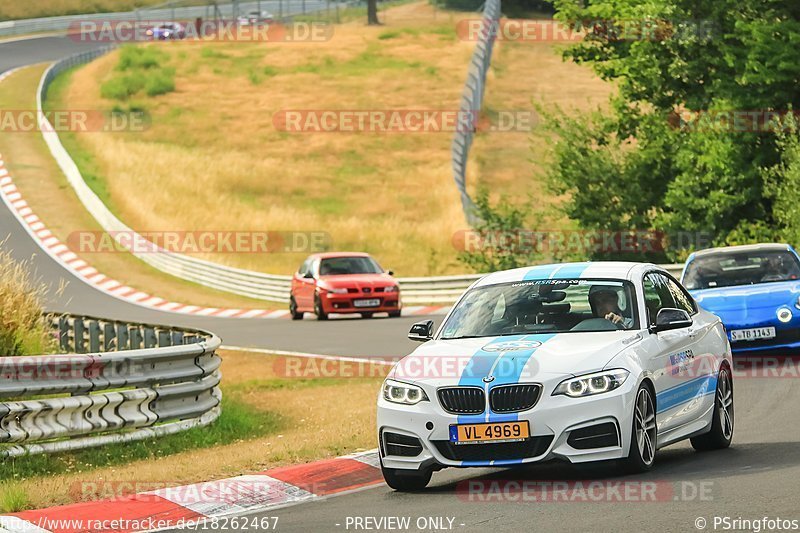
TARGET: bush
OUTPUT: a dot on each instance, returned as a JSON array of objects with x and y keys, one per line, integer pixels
[
  {"x": 23, "y": 328},
  {"x": 122, "y": 87},
  {"x": 159, "y": 83},
  {"x": 137, "y": 57}
]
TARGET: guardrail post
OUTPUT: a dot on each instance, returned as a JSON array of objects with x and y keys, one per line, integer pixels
[
  {"x": 164, "y": 338},
  {"x": 109, "y": 337},
  {"x": 135, "y": 334},
  {"x": 150, "y": 340},
  {"x": 63, "y": 333},
  {"x": 79, "y": 329},
  {"x": 94, "y": 336},
  {"x": 122, "y": 337}
]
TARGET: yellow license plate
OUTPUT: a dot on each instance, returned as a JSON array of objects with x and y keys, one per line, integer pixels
[{"x": 491, "y": 432}]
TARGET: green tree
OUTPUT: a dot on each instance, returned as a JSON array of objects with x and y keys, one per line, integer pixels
[{"x": 632, "y": 168}]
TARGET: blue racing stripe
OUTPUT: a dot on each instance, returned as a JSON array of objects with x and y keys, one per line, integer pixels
[{"x": 685, "y": 392}]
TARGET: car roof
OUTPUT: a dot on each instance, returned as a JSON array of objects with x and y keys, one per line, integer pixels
[
  {"x": 584, "y": 270},
  {"x": 331, "y": 255},
  {"x": 762, "y": 247}
]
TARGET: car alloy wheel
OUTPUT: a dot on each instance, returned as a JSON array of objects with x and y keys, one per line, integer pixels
[
  {"x": 722, "y": 423},
  {"x": 725, "y": 403},
  {"x": 645, "y": 426}
]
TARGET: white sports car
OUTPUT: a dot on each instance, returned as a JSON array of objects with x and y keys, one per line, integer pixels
[{"x": 579, "y": 361}]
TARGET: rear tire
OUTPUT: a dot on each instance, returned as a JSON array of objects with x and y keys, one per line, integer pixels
[
  {"x": 406, "y": 480},
  {"x": 321, "y": 314},
  {"x": 722, "y": 423},
  {"x": 644, "y": 433},
  {"x": 296, "y": 315}
]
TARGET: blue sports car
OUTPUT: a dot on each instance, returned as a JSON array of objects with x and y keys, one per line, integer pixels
[{"x": 754, "y": 289}]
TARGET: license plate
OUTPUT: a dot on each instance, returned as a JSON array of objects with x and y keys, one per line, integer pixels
[
  {"x": 491, "y": 432},
  {"x": 372, "y": 302},
  {"x": 752, "y": 334}
]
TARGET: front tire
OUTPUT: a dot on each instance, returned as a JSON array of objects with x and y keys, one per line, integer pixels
[
  {"x": 318, "y": 310},
  {"x": 366, "y": 315},
  {"x": 721, "y": 433},
  {"x": 644, "y": 433},
  {"x": 296, "y": 315},
  {"x": 394, "y": 314},
  {"x": 406, "y": 480}
]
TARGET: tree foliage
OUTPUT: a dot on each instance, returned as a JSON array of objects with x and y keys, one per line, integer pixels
[{"x": 637, "y": 166}]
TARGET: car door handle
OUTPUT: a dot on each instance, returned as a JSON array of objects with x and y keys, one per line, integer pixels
[{"x": 693, "y": 332}]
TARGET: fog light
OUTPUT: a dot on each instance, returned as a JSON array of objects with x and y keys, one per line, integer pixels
[{"x": 784, "y": 314}]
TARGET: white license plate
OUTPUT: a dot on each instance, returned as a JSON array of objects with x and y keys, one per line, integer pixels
[
  {"x": 752, "y": 334},
  {"x": 372, "y": 302}
]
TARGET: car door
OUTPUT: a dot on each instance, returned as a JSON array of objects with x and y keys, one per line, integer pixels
[
  {"x": 673, "y": 352},
  {"x": 303, "y": 287}
]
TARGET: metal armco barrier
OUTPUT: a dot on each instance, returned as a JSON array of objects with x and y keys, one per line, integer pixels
[
  {"x": 122, "y": 382},
  {"x": 70, "y": 22},
  {"x": 471, "y": 101},
  {"x": 256, "y": 285}
]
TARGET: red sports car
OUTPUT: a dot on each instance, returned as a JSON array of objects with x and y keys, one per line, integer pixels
[{"x": 343, "y": 282}]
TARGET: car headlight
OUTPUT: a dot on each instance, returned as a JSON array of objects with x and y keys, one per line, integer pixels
[
  {"x": 589, "y": 384},
  {"x": 335, "y": 290},
  {"x": 393, "y": 288},
  {"x": 405, "y": 393}
]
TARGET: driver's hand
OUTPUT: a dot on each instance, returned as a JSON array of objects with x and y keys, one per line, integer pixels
[{"x": 613, "y": 317}]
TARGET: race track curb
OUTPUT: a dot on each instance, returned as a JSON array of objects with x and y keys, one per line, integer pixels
[{"x": 206, "y": 502}]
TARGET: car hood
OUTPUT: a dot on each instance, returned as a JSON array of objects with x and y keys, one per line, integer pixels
[
  {"x": 357, "y": 280},
  {"x": 511, "y": 359},
  {"x": 745, "y": 298}
]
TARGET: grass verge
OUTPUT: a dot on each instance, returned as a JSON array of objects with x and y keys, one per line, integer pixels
[{"x": 266, "y": 422}]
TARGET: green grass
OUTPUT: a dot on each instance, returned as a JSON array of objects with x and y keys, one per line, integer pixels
[
  {"x": 140, "y": 68},
  {"x": 238, "y": 421},
  {"x": 83, "y": 158},
  {"x": 12, "y": 498}
]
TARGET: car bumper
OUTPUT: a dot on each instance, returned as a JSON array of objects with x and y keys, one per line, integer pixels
[
  {"x": 345, "y": 303},
  {"x": 553, "y": 420}
]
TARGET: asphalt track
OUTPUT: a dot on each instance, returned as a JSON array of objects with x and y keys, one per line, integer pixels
[{"x": 759, "y": 476}]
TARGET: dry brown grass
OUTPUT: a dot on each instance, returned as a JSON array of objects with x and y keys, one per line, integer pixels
[
  {"x": 330, "y": 429},
  {"x": 389, "y": 194},
  {"x": 22, "y": 9},
  {"x": 23, "y": 328}
]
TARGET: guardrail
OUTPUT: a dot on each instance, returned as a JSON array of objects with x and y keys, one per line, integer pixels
[
  {"x": 278, "y": 8},
  {"x": 256, "y": 285},
  {"x": 471, "y": 100},
  {"x": 121, "y": 382}
]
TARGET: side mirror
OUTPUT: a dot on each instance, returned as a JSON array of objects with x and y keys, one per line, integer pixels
[
  {"x": 421, "y": 331},
  {"x": 308, "y": 275},
  {"x": 670, "y": 318},
  {"x": 391, "y": 273}
]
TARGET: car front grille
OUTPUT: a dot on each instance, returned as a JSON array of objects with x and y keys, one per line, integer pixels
[
  {"x": 513, "y": 398},
  {"x": 462, "y": 400},
  {"x": 499, "y": 451}
]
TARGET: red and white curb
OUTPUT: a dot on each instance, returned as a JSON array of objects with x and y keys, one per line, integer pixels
[
  {"x": 12, "y": 197},
  {"x": 190, "y": 504}
]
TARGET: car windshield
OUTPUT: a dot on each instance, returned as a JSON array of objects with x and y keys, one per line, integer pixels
[
  {"x": 745, "y": 268},
  {"x": 543, "y": 306},
  {"x": 348, "y": 265}
]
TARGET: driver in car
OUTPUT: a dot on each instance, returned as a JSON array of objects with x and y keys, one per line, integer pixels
[{"x": 606, "y": 305}]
